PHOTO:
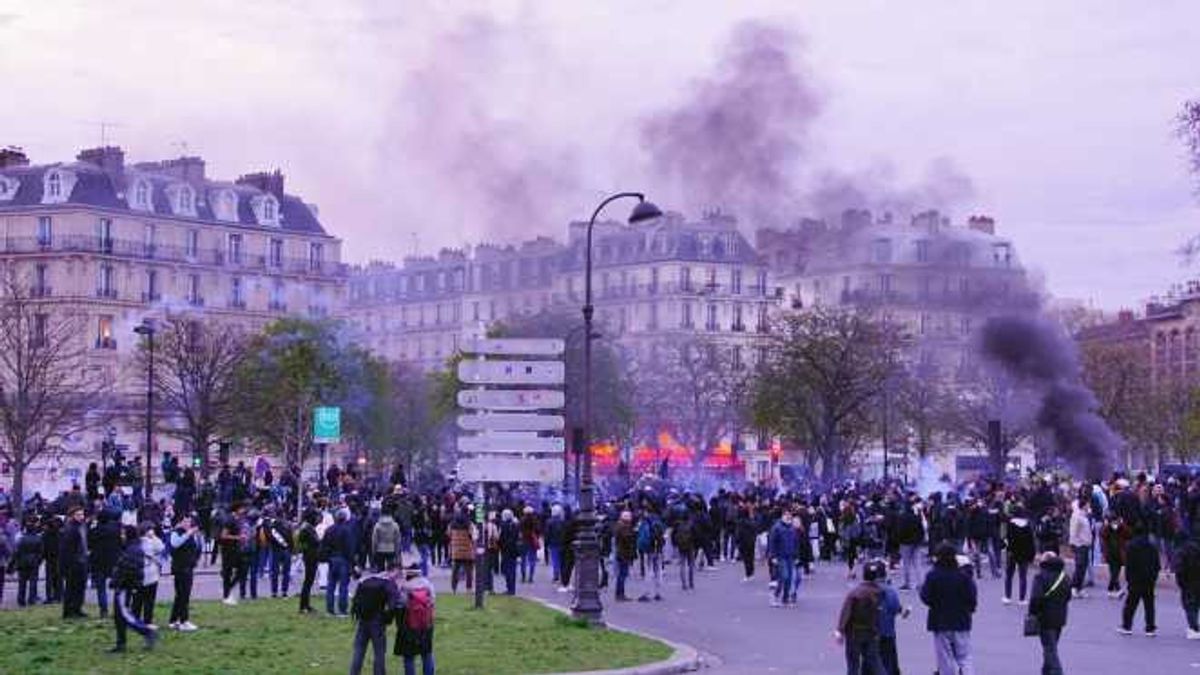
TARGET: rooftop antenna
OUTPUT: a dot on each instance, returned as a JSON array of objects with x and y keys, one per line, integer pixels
[
  {"x": 416, "y": 242},
  {"x": 104, "y": 126}
]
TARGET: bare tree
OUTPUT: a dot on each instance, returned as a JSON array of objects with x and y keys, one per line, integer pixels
[
  {"x": 694, "y": 388},
  {"x": 823, "y": 369},
  {"x": 920, "y": 397},
  {"x": 196, "y": 365},
  {"x": 48, "y": 389},
  {"x": 992, "y": 396}
]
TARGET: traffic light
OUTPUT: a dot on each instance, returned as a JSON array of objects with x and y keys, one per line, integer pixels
[{"x": 197, "y": 459}]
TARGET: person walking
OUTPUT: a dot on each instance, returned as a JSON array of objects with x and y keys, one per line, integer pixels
[
  {"x": 385, "y": 542},
  {"x": 309, "y": 544},
  {"x": 186, "y": 549},
  {"x": 1141, "y": 573},
  {"x": 73, "y": 556},
  {"x": 782, "y": 547},
  {"x": 951, "y": 597},
  {"x": 683, "y": 538},
  {"x": 1187, "y": 576},
  {"x": 127, "y": 580},
  {"x": 889, "y": 607},
  {"x": 1079, "y": 538},
  {"x": 1048, "y": 602},
  {"x": 338, "y": 548},
  {"x": 510, "y": 550},
  {"x": 30, "y": 552},
  {"x": 625, "y": 551},
  {"x": 415, "y": 622},
  {"x": 462, "y": 550},
  {"x": 745, "y": 533},
  {"x": 858, "y": 623},
  {"x": 280, "y": 542},
  {"x": 373, "y": 608},
  {"x": 530, "y": 534},
  {"x": 650, "y": 542},
  {"x": 1114, "y": 540},
  {"x": 1019, "y": 542},
  {"x": 104, "y": 547},
  {"x": 232, "y": 544},
  {"x": 910, "y": 533}
]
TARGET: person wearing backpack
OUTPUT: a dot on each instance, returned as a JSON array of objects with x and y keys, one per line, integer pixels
[
  {"x": 415, "y": 621},
  {"x": 858, "y": 623},
  {"x": 683, "y": 538},
  {"x": 385, "y": 542},
  {"x": 27, "y": 559},
  {"x": 373, "y": 608},
  {"x": 1048, "y": 602}
]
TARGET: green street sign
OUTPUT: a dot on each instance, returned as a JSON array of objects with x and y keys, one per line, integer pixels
[
  {"x": 327, "y": 424},
  {"x": 479, "y": 513}
]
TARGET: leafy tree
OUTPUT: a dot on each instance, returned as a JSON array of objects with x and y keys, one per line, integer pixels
[
  {"x": 195, "y": 369},
  {"x": 49, "y": 390},
  {"x": 414, "y": 423},
  {"x": 823, "y": 369}
]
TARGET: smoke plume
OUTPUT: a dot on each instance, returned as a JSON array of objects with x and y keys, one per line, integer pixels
[{"x": 1038, "y": 354}]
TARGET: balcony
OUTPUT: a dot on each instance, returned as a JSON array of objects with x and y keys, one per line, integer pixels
[
  {"x": 106, "y": 343},
  {"x": 41, "y": 291},
  {"x": 237, "y": 303},
  {"x": 151, "y": 296},
  {"x": 109, "y": 293},
  {"x": 737, "y": 328},
  {"x": 196, "y": 301},
  {"x": 277, "y": 306}
]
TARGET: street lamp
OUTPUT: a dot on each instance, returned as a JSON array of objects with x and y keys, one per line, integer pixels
[
  {"x": 587, "y": 593},
  {"x": 146, "y": 329}
]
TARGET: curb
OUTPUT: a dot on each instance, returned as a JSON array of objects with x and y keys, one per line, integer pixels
[{"x": 684, "y": 659}]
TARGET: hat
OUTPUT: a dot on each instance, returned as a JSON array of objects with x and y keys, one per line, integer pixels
[{"x": 413, "y": 570}]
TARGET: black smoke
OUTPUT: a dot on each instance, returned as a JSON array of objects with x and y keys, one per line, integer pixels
[{"x": 1042, "y": 357}]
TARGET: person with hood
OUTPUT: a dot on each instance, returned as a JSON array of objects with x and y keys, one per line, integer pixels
[
  {"x": 910, "y": 532},
  {"x": 1019, "y": 542},
  {"x": 1079, "y": 537},
  {"x": 280, "y": 538},
  {"x": 127, "y": 580},
  {"x": 1048, "y": 602},
  {"x": 186, "y": 549},
  {"x": 104, "y": 547},
  {"x": 1187, "y": 576},
  {"x": 509, "y": 543},
  {"x": 73, "y": 556},
  {"x": 1141, "y": 574},
  {"x": 27, "y": 559},
  {"x": 415, "y": 622},
  {"x": 385, "y": 542},
  {"x": 951, "y": 597},
  {"x": 858, "y": 623},
  {"x": 462, "y": 550},
  {"x": 373, "y": 608},
  {"x": 555, "y": 534},
  {"x": 625, "y": 545},
  {"x": 683, "y": 538},
  {"x": 530, "y": 534},
  {"x": 1114, "y": 540},
  {"x": 337, "y": 547},
  {"x": 889, "y": 607},
  {"x": 782, "y": 546},
  {"x": 152, "y": 551},
  {"x": 745, "y": 534},
  {"x": 309, "y": 544}
]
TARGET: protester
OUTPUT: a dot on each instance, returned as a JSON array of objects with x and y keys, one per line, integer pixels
[
  {"x": 104, "y": 547},
  {"x": 782, "y": 547},
  {"x": 385, "y": 542},
  {"x": 337, "y": 547},
  {"x": 152, "y": 551},
  {"x": 309, "y": 544},
  {"x": 1020, "y": 545},
  {"x": 186, "y": 548},
  {"x": 28, "y": 558},
  {"x": 509, "y": 545},
  {"x": 858, "y": 623},
  {"x": 1114, "y": 540},
  {"x": 1080, "y": 539},
  {"x": 951, "y": 597},
  {"x": 128, "y": 579},
  {"x": 462, "y": 536},
  {"x": 373, "y": 607},
  {"x": 1187, "y": 576},
  {"x": 1048, "y": 602},
  {"x": 415, "y": 622},
  {"x": 1141, "y": 573},
  {"x": 73, "y": 556},
  {"x": 280, "y": 542}
]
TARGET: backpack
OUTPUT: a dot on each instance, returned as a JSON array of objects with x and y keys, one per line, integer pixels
[{"x": 418, "y": 614}]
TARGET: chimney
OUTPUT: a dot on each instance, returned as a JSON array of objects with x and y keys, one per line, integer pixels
[
  {"x": 855, "y": 218},
  {"x": 188, "y": 169},
  {"x": 985, "y": 224},
  {"x": 1125, "y": 316},
  {"x": 12, "y": 156},
  {"x": 929, "y": 220},
  {"x": 110, "y": 158},
  {"x": 267, "y": 182}
]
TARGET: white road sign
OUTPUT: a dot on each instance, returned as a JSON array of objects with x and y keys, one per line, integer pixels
[
  {"x": 510, "y": 444},
  {"x": 510, "y": 372},
  {"x": 500, "y": 399},
  {"x": 510, "y": 470},
  {"x": 511, "y": 422},
  {"x": 513, "y": 346}
]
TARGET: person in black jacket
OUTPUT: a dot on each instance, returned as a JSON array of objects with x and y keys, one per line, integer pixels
[
  {"x": 510, "y": 550},
  {"x": 73, "y": 558},
  {"x": 1141, "y": 575},
  {"x": 950, "y": 594},
  {"x": 309, "y": 544},
  {"x": 1019, "y": 542},
  {"x": 186, "y": 548},
  {"x": 104, "y": 547},
  {"x": 373, "y": 608},
  {"x": 1048, "y": 602},
  {"x": 127, "y": 578},
  {"x": 910, "y": 532},
  {"x": 51, "y": 536},
  {"x": 1187, "y": 575},
  {"x": 27, "y": 559}
]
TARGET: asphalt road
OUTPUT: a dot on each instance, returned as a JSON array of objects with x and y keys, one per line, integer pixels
[{"x": 733, "y": 625}]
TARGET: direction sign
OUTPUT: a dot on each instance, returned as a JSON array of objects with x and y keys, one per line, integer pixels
[
  {"x": 511, "y": 422},
  {"x": 511, "y": 444},
  {"x": 511, "y": 346},
  {"x": 510, "y": 470},
  {"x": 327, "y": 424},
  {"x": 511, "y": 372},
  {"x": 499, "y": 399}
]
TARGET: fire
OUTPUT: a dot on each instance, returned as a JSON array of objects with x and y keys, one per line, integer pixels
[{"x": 646, "y": 457}]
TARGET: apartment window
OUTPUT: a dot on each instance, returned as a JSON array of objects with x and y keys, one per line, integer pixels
[
  {"x": 653, "y": 280},
  {"x": 54, "y": 185},
  {"x": 39, "y": 329},
  {"x": 763, "y": 319},
  {"x": 268, "y": 210},
  {"x": 192, "y": 243},
  {"x": 437, "y": 315},
  {"x": 924, "y": 326},
  {"x": 735, "y": 281},
  {"x": 142, "y": 194},
  {"x": 194, "y": 297},
  {"x": 41, "y": 280},
  {"x": 926, "y": 284},
  {"x": 184, "y": 200},
  {"x": 475, "y": 311},
  {"x": 235, "y": 249},
  {"x": 882, "y": 251},
  {"x": 685, "y": 320},
  {"x": 316, "y": 256},
  {"x": 736, "y": 357},
  {"x": 761, "y": 286},
  {"x": 106, "y": 282},
  {"x": 277, "y": 293},
  {"x": 104, "y": 232},
  {"x": 711, "y": 320},
  {"x": 104, "y": 332},
  {"x": 45, "y": 231},
  {"x": 737, "y": 317},
  {"x": 964, "y": 287},
  {"x": 685, "y": 278},
  {"x": 652, "y": 324},
  {"x": 152, "y": 293},
  {"x": 923, "y": 251},
  {"x": 965, "y": 325},
  {"x": 1002, "y": 254},
  {"x": 711, "y": 284},
  {"x": 236, "y": 297},
  {"x": 275, "y": 253},
  {"x": 885, "y": 284},
  {"x": 148, "y": 238}
]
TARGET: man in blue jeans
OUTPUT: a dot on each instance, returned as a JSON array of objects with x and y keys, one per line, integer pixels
[
  {"x": 783, "y": 546},
  {"x": 339, "y": 551}
]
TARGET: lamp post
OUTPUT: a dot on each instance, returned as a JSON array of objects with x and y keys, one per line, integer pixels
[
  {"x": 587, "y": 592},
  {"x": 146, "y": 329}
]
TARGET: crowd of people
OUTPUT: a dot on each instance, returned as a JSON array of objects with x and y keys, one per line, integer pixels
[{"x": 387, "y": 536}]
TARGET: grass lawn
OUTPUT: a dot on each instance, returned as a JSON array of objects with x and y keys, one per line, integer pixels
[{"x": 268, "y": 636}]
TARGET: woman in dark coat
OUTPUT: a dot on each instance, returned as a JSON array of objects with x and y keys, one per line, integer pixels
[{"x": 1048, "y": 602}]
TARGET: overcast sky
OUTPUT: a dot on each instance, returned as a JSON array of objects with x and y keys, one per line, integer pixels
[{"x": 1059, "y": 113}]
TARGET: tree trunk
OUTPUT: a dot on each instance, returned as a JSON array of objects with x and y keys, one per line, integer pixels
[{"x": 17, "y": 497}]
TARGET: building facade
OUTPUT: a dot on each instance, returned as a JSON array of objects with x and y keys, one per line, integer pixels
[{"x": 118, "y": 243}]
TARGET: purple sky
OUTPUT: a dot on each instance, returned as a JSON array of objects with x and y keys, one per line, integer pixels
[{"x": 1060, "y": 115}]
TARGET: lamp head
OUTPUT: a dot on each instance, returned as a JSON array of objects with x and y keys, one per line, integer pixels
[{"x": 644, "y": 211}]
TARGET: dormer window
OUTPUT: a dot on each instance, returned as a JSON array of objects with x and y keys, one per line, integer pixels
[
  {"x": 8, "y": 188},
  {"x": 54, "y": 185},
  {"x": 57, "y": 185},
  {"x": 266, "y": 209},
  {"x": 226, "y": 206},
  {"x": 269, "y": 210},
  {"x": 186, "y": 200},
  {"x": 141, "y": 195}
]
